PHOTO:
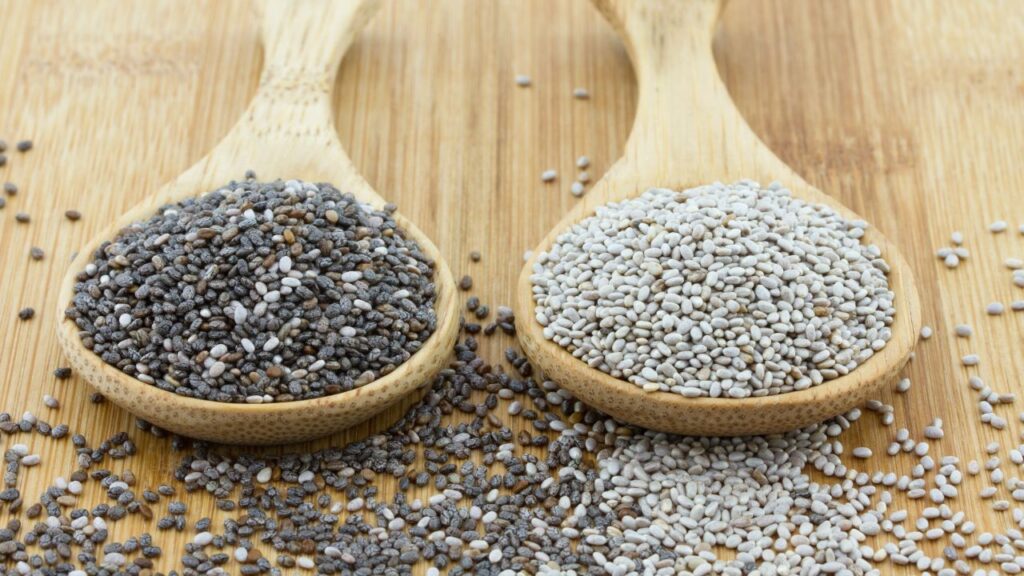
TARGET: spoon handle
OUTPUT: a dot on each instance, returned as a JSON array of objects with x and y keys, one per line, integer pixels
[
  {"x": 687, "y": 130},
  {"x": 303, "y": 42}
]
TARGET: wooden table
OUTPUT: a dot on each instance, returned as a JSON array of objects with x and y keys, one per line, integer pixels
[{"x": 911, "y": 111}]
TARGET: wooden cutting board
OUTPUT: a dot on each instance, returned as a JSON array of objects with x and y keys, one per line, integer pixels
[{"x": 911, "y": 111}]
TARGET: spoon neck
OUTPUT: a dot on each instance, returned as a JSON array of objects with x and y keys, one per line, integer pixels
[
  {"x": 687, "y": 129},
  {"x": 303, "y": 44}
]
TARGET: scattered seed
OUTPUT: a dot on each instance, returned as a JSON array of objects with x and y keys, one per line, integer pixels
[{"x": 522, "y": 80}]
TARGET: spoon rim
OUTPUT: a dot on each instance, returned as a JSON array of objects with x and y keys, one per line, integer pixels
[
  {"x": 555, "y": 361},
  {"x": 440, "y": 341}
]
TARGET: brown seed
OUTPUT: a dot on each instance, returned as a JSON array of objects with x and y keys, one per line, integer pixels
[
  {"x": 72, "y": 215},
  {"x": 474, "y": 256},
  {"x": 26, "y": 313},
  {"x": 10, "y": 188},
  {"x": 24, "y": 146},
  {"x": 36, "y": 253},
  {"x": 3, "y": 160},
  {"x": 466, "y": 283},
  {"x": 22, "y": 217},
  {"x": 332, "y": 216}
]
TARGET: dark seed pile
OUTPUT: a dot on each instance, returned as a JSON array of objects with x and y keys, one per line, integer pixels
[{"x": 258, "y": 292}]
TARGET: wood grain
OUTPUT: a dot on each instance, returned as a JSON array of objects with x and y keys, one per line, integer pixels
[{"x": 910, "y": 112}]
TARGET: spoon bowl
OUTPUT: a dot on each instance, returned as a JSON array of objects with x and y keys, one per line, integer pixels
[
  {"x": 688, "y": 133},
  {"x": 287, "y": 132}
]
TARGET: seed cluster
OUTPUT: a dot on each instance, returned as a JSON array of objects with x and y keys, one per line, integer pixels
[
  {"x": 258, "y": 292},
  {"x": 722, "y": 290}
]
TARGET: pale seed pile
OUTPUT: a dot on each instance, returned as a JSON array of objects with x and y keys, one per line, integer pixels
[
  {"x": 258, "y": 292},
  {"x": 722, "y": 290}
]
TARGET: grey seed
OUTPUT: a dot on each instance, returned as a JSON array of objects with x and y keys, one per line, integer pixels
[
  {"x": 577, "y": 189},
  {"x": 926, "y": 332},
  {"x": 581, "y": 93},
  {"x": 548, "y": 175},
  {"x": 995, "y": 308},
  {"x": 862, "y": 452},
  {"x": 582, "y": 162},
  {"x": 998, "y": 226},
  {"x": 963, "y": 330},
  {"x": 970, "y": 360},
  {"x": 653, "y": 340},
  {"x": 522, "y": 80}
]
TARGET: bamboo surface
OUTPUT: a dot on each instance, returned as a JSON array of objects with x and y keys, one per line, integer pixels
[{"x": 909, "y": 111}]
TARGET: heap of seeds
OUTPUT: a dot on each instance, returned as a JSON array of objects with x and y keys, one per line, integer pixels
[
  {"x": 722, "y": 291},
  {"x": 258, "y": 292}
]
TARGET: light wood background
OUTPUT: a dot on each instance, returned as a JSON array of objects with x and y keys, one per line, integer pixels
[{"x": 910, "y": 111}]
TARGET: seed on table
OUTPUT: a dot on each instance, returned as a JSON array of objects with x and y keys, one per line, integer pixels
[
  {"x": 50, "y": 401},
  {"x": 862, "y": 452},
  {"x": 970, "y": 360},
  {"x": 466, "y": 282},
  {"x": 26, "y": 313},
  {"x": 995, "y": 309},
  {"x": 10, "y": 188},
  {"x": 62, "y": 373},
  {"x": 926, "y": 332},
  {"x": 3, "y": 160},
  {"x": 1017, "y": 305},
  {"x": 903, "y": 385},
  {"x": 36, "y": 253},
  {"x": 998, "y": 226},
  {"x": 474, "y": 256},
  {"x": 583, "y": 177},
  {"x": 24, "y": 145},
  {"x": 1013, "y": 263},
  {"x": 22, "y": 217},
  {"x": 957, "y": 238},
  {"x": 577, "y": 189},
  {"x": 581, "y": 93},
  {"x": 548, "y": 175},
  {"x": 30, "y": 460},
  {"x": 73, "y": 215},
  {"x": 963, "y": 330},
  {"x": 522, "y": 80}
]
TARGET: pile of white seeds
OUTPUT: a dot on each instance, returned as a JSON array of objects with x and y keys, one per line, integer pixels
[{"x": 721, "y": 291}]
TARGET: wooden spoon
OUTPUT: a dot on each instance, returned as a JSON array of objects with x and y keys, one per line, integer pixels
[
  {"x": 287, "y": 132},
  {"x": 687, "y": 133}
]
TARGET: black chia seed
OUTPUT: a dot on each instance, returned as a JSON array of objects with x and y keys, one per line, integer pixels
[{"x": 258, "y": 292}]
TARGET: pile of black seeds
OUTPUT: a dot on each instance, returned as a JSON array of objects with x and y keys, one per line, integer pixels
[{"x": 258, "y": 292}]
